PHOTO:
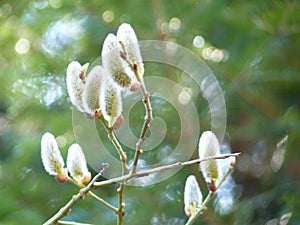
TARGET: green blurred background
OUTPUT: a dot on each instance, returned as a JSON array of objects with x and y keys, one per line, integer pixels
[{"x": 253, "y": 48}]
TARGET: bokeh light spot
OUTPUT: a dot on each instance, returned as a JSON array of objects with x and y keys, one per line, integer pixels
[
  {"x": 22, "y": 46},
  {"x": 217, "y": 55},
  {"x": 207, "y": 52},
  {"x": 175, "y": 24},
  {"x": 108, "y": 16},
  {"x": 198, "y": 41}
]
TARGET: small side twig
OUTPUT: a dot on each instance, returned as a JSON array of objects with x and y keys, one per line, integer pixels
[
  {"x": 128, "y": 177},
  {"x": 208, "y": 198},
  {"x": 64, "y": 211},
  {"x": 123, "y": 157},
  {"x": 121, "y": 203},
  {"x": 148, "y": 119},
  {"x": 61, "y": 222},
  {"x": 119, "y": 148},
  {"x": 114, "y": 140}
]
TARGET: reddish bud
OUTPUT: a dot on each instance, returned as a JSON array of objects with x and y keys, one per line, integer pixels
[
  {"x": 87, "y": 178},
  {"x": 212, "y": 186},
  {"x": 98, "y": 113},
  {"x": 61, "y": 178},
  {"x": 82, "y": 76}
]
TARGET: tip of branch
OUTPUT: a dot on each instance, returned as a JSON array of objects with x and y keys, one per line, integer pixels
[{"x": 105, "y": 165}]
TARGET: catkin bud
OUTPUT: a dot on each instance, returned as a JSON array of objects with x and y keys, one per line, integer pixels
[
  {"x": 91, "y": 92},
  {"x": 62, "y": 178},
  {"x": 111, "y": 102},
  {"x": 112, "y": 59},
  {"x": 208, "y": 147},
  {"x": 192, "y": 196},
  {"x": 127, "y": 37},
  {"x": 75, "y": 80},
  {"x": 51, "y": 156},
  {"x": 76, "y": 164}
]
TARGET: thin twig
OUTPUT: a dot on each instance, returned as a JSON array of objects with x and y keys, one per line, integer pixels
[
  {"x": 114, "y": 140},
  {"x": 103, "y": 202},
  {"x": 119, "y": 148},
  {"x": 123, "y": 157},
  {"x": 208, "y": 198},
  {"x": 64, "y": 211},
  {"x": 148, "y": 119},
  {"x": 138, "y": 152},
  {"x": 121, "y": 203},
  {"x": 61, "y": 222},
  {"x": 127, "y": 177},
  {"x": 93, "y": 195},
  {"x": 147, "y": 104}
]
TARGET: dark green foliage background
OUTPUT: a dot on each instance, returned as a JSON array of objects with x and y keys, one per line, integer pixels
[{"x": 260, "y": 80}]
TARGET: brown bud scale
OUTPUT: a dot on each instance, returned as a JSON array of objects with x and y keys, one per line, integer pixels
[{"x": 61, "y": 178}]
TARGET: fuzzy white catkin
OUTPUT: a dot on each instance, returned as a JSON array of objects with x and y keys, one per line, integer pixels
[
  {"x": 51, "y": 156},
  {"x": 111, "y": 102},
  {"x": 75, "y": 85},
  {"x": 91, "y": 91},
  {"x": 127, "y": 35},
  {"x": 111, "y": 58},
  {"x": 192, "y": 195},
  {"x": 209, "y": 146},
  {"x": 76, "y": 163}
]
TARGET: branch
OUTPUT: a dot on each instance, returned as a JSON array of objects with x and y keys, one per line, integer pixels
[
  {"x": 103, "y": 202},
  {"x": 148, "y": 119},
  {"x": 147, "y": 104},
  {"x": 119, "y": 148},
  {"x": 64, "y": 211},
  {"x": 210, "y": 195},
  {"x": 114, "y": 140},
  {"x": 123, "y": 157},
  {"x": 121, "y": 203},
  {"x": 130, "y": 176},
  {"x": 61, "y": 222}
]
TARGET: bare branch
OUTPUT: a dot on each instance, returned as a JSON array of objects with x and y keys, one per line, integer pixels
[
  {"x": 160, "y": 169},
  {"x": 64, "y": 211},
  {"x": 147, "y": 104},
  {"x": 210, "y": 195},
  {"x": 148, "y": 119},
  {"x": 61, "y": 222}
]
